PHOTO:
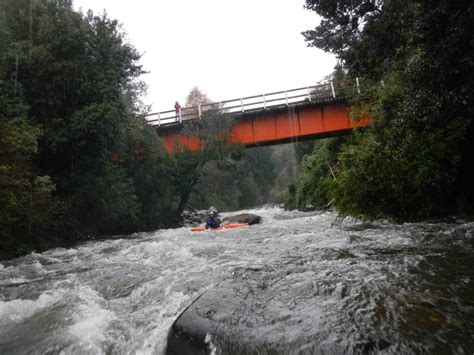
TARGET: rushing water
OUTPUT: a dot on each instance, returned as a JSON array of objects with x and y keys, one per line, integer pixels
[{"x": 375, "y": 287}]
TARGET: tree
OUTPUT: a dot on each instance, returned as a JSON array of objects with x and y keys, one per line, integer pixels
[
  {"x": 151, "y": 169},
  {"x": 415, "y": 160},
  {"x": 197, "y": 97},
  {"x": 361, "y": 33},
  {"x": 212, "y": 131},
  {"x": 27, "y": 204},
  {"x": 74, "y": 74},
  {"x": 70, "y": 82},
  {"x": 194, "y": 101},
  {"x": 316, "y": 171}
]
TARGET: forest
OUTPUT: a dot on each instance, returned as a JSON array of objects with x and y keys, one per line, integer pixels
[
  {"x": 415, "y": 63},
  {"x": 78, "y": 160}
]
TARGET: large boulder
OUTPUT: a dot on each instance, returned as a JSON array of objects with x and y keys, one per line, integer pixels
[
  {"x": 258, "y": 310},
  {"x": 192, "y": 331},
  {"x": 204, "y": 326},
  {"x": 248, "y": 218}
]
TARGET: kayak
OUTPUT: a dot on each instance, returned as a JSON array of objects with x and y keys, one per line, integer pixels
[{"x": 227, "y": 226}]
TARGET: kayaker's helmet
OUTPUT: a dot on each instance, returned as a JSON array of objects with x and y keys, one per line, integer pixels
[{"x": 212, "y": 213}]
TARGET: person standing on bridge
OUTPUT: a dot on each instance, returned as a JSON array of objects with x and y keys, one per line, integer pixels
[{"x": 177, "y": 108}]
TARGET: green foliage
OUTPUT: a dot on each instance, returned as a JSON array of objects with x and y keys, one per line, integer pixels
[
  {"x": 415, "y": 160},
  {"x": 28, "y": 209},
  {"x": 27, "y": 205},
  {"x": 231, "y": 184},
  {"x": 317, "y": 170},
  {"x": 151, "y": 169},
  {"x": 75, "y": 158},
  {"x": 191, "y": 167},
  {"x": 255, "y": 177},
  {"x": 362, "y": 33},
  {"x": 74, "y": 73}
]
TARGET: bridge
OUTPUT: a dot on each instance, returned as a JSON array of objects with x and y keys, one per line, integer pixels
[{"x": 299, "y": 114}]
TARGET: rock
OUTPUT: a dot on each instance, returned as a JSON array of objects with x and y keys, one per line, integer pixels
[
  {"x": 243, "y": 218},
  {"x": 193, "y": 218},
  {"x": 209, "y": 324},
  {"x": 193, "y": 330},
  {"x": 253, "y": 312}
]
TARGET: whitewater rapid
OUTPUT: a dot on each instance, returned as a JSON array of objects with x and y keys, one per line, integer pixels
[{"x": 122, "y": 295}]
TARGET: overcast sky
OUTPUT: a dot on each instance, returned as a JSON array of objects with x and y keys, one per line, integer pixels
[{"x": 228, "y": 49}]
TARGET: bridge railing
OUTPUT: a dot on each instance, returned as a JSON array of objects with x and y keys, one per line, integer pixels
[{"x": 314, "y": 93}]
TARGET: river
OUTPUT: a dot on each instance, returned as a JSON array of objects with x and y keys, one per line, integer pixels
[{"x": 354, "y": 287}]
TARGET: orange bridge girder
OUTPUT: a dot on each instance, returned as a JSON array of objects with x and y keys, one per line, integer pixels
[{"x": 276, "y": 126}]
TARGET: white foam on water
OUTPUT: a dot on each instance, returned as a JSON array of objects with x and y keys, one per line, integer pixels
[
  {"x": 18, "y": 310},
  {"x": 122, "y": 295},
  {"x": 91, "y": 320},
  {"x": 13, "y": 281},
  {"x": 158, "y": 326},
  {"x": 39, "y": 268},
  {"x": 210, "y": 344},
  {"x": 61, "y": 252}
]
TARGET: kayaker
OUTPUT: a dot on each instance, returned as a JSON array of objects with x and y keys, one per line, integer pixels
[{"x": 213, "y": 221}]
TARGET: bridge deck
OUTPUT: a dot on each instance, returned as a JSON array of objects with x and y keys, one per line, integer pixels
[{"x": 268, "y": 119}]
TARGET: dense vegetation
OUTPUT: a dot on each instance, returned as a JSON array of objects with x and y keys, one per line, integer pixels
[
  {"x": 77, "y": 158},
  {"x": 259, "y": 176},
  {"x": 415, "y": 60}
]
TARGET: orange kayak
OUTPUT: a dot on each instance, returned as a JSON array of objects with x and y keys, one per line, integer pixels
[{"x": 227, "y": 226}]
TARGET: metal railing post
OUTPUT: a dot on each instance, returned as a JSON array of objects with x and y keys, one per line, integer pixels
[
  {"x": 159, "y": 120},
  {"x": 242, "y": 104},
  {"x": 286, "y": 97},
  {"x": 333, "y": 91},
  {"x": 199, "y": 110},
  {"x": 358, "y": 87},
  {"x": 309, "y": 94},
  {"x": 264, "y": 102},
  {"x": 179, "y": 115}
]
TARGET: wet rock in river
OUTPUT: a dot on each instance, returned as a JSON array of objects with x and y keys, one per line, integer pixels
[
  {"x": 193, "y": 217},
  {"x": 248, "y": 314},
  {"x": 194, "y": 330},
  {"x": 243, "y": 218}
]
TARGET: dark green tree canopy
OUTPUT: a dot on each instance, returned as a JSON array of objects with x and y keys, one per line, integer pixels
[
  {"x": 415, "y": 62},
  {"x": 69, "y": 84}
]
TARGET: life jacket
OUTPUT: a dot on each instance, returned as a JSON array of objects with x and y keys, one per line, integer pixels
[{"x": 213, "y": 222}]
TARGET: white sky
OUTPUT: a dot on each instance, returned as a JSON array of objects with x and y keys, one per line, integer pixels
[{"x": 228, "y": 49}]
